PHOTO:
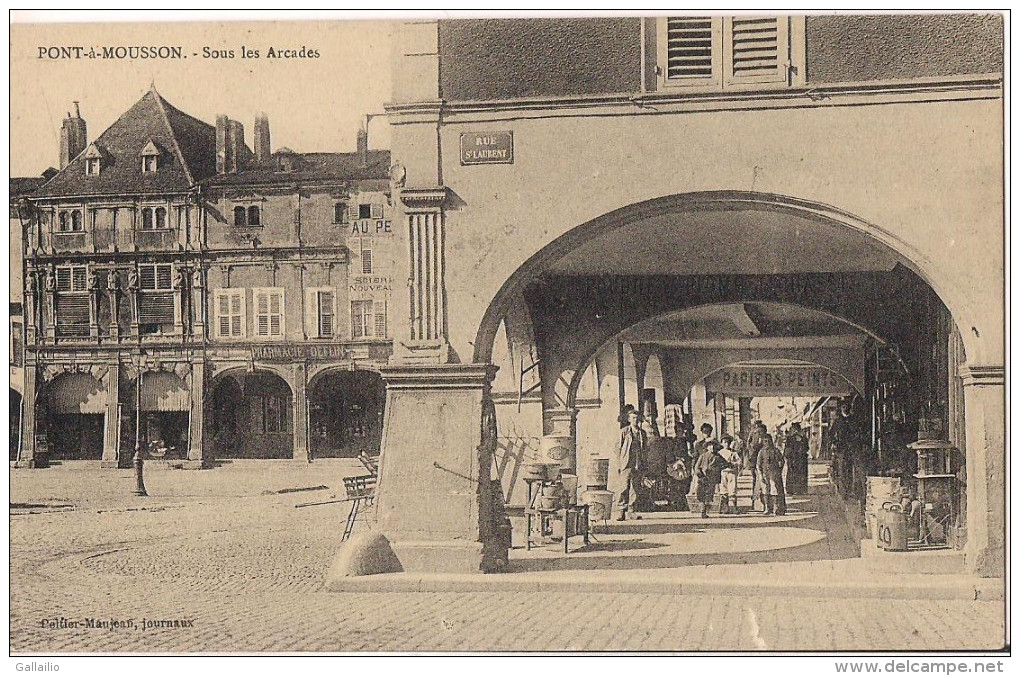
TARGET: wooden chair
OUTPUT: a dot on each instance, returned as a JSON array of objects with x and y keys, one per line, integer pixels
[{"x": 360, "y": 491}]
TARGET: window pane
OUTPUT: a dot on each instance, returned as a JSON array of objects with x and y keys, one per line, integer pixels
[
  {"x": 364, "y": 211},
  {"x": 339, "y": 212},
  {"x": 147, "y": 219},
  {"x": 160, "y": 217},
  {"x": 240, "y": 217},
  {"x": 254, "y": 216}
]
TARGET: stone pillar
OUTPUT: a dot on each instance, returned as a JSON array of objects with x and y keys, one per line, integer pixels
[
  {"x": 984, "y": 393},
  {"x": 31, "y": 307},
  {"x": 198, "y": 302},
  {"x": 111, "y": 437},
  {"x": 180, "y": 277},
  {"x": 301, "y": 413},
  {"x": 196, "y": 420},
  {"x": 435, "y": 498},
  {"x": 425, "y": 233},
  {"x": 26, "y": 455},
  {"x": 50, "y": 304}
]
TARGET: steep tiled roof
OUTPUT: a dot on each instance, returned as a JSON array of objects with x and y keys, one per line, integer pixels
[
  {"x": 23, "y": 185},
  {"x": 188, "y": 148},
  {"x": 310, "y": 168}
]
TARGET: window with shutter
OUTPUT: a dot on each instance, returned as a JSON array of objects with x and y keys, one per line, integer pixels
[
  {"x": 72, "y": 301},
  {"x": 155, "y": 276},
  {"x": 353, "y": 211},
  {"x": 230, "y": 313},
  {"x": 714, "y": 52},
  {"x": 340, "y": 212},
  {"x": 324, "y": 302},
  {"x": 375, "y": 210},
  {"x": 366, "y": 261},
  {"x": 361, "y": 319},
  {"x": 269, "y": 309}
]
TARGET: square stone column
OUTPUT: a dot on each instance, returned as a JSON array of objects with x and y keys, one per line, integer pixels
[
  {"x": 196, "y": 416},
  {"x": 985, "y": 412},
  {"x": 435, "y": 499},
  {"x": 111, "y": 437}
]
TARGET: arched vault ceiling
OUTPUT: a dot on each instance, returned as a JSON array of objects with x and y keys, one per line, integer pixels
[
  {"x": 725, "y": 242},
  {"x": 746, "y": 326}
]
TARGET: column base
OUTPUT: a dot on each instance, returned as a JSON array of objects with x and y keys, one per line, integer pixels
[
  {"x": 438, "y": 556},
  {"x": 985, "y": 562}
]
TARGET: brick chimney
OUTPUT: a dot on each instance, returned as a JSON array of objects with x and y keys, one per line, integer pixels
[
  {"x": 363, "y": 147},
  {"x": 235, "y": 140},
  {"x": 73, "y": 137},
  {"x": 223, "y": 162},
  {"x": 263, "y": 147}
]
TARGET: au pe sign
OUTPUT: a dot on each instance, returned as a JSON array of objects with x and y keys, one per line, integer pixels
[{"x": 490, "y": 147}]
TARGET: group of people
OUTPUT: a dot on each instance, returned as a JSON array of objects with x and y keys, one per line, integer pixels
[{"x": 650, "y": 466}]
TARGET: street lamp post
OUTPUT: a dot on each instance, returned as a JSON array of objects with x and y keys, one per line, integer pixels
[{"x": 139, "y": 462}]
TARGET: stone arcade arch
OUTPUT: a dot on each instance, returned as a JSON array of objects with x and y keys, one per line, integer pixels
[
  {"x": 572, "y": 293},
  {"x": 251, "y": 415},
  {"x": 580, "y": 317}
]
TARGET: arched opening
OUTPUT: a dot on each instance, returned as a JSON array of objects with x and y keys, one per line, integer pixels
[
  {"x": 165, "y": 406},
  {"x": 666, "y": 292},
  {"x": 251, "y": 415},
  {"x": 71, "y": 413},
  {"x": 345, "y": 410},
  {"x": 15, "y": 413}
]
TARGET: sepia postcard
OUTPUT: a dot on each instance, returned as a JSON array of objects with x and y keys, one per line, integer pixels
[{"x": 455, "y": 332}]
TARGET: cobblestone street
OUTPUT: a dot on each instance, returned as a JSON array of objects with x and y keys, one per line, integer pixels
[{"x": 245, "y": 573}]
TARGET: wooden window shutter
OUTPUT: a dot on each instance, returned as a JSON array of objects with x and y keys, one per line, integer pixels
[
  {"x": 164, "y": 275},
  {"x": 325, "y": 313},
  {"x": 237, "y": 314},
  {"x": 223, "y": 315},
  {"x": 690, "y": 51},
  {"x": 275, "y": 313},
  {"x": 262, "y": 311},
  {"x": 757, "y": 49},
  {"x": 352, "y": 211},
  {"x": 380, "y": 319},
  {"x": 147, "y": 276},
  {"x": 366, "y": 261},
  {"x": 376, "y": 210}
]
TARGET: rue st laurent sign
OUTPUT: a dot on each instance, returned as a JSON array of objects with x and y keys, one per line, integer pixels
[
  {"x": 781, "y": 380},
  {"x": 490, "y": 147}
]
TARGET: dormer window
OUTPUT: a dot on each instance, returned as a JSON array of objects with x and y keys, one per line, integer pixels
[
  {"x": 150, "y": 158},
  {"x": 93, "y": 161}
]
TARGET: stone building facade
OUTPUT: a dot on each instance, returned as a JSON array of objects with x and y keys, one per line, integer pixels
[
  {"x": 194, "y": 298},
  {"x": 595, "y": 188}
]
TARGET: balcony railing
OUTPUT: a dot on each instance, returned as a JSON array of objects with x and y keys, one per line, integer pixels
[
  {"x": 70, "y": 242},
  {"x": 155, "y": 240}
]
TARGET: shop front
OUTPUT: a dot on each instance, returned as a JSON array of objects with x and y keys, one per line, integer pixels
[
  {"x": 71, "y": 412},
  {"x": 251, "y": 416},
  {"x": 345, "y": 409}
]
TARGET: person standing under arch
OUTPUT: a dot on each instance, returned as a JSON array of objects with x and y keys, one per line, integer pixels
[
  {"x": 626, "y": 480},
  {"x": 770, "y": 473}
]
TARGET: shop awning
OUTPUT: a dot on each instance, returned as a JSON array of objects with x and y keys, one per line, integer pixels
[
  {"x": 78, "y": 393},
  {"x": 164, "y": 392}
]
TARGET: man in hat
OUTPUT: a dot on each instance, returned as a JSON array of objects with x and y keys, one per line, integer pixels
[{"x": 626, "y": 480}]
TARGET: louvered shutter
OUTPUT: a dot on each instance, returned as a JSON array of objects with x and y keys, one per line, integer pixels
[
  {"x": 380, "y": 319},
  {"x": 352, "y": 211},
  {"x": 758, "y": 49},
  {"x": 164, "y": 275},
  {"x": 223, "y": 316},
  {"x": 275, "y": 314},
  {"x": 262, "y": 312},
  {"x": 147, "y": 276},
  {"x": 692, "y": 51},
  {"x": 237, "y": 314},
  {"x": 63, "y": 279},
  {"x": 376, "y": 210},
  {"x": 366, "y": 261},
  {"x": 78, "y": 277},
  {"x": 325, "y": 313}
]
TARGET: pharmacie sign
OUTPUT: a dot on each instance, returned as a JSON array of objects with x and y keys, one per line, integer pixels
[
  {"x": 491, "y": 147},
  {"x": 298, "y": 352},
  {"x": 759, "y": 381}
]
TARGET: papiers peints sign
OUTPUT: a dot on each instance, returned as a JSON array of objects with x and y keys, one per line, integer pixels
[
  {"x": 768, "y": 381},
  {"x": 491, "y": 147}
]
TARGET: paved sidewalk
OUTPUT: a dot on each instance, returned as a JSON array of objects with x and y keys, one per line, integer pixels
[{"x": 245, "y": 573}]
